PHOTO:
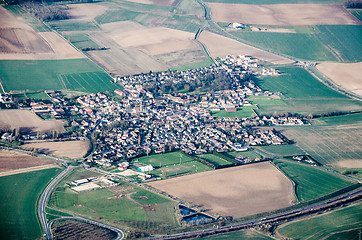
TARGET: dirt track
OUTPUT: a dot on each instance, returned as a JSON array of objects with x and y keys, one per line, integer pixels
[
  {"x": 220, "y": 46},
  {"x": 283, "y": 14},
  {"x": 238, "y": 191}
]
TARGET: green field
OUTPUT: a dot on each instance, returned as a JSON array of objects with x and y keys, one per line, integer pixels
[
  {"x": 37, "y": 95},
  {"x": 216, "y": 160},
  {"x": 355, "y": 118},
  {"x": 137, "y": 208},
  {"x": 243, "y": 112},
  {"x": 280, "y": 150},
  {"x": 316, "y": 43},
  {"x": 19, "y": 194},
  {"x": 328, "y": 145},
  {"x": 74, "y": 74},
  {"x": 64, "y": 26},
  {"x": 304, "y": 94},
  {"x": 339, "y": 224},
  {"x": 192, "y": 66},
  {"x": 239, "y": 235},
  {"x": 357, "y": 13},
  {"x": 169, "y": 163},
  {"x": 309, "y": 45},
  {"x": 248, "y": 154},
  {"x": 81, "y": 41},
  {"x": 262, "y": 101},
  {"x": 311, "y": 182}
]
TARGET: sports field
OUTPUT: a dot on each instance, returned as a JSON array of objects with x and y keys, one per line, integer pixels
[
  {"x": 172, "y": 164},
  {"x": 243, "y": 112},
  {"x": 72, "y": 74},
  {"x": 125, "y": 205},
  {"x": 19, "y": 194},
  {"x": 237, "y": 191},
  {"x": 311, "y": 182},
  {"x": 340, "y": 224}
]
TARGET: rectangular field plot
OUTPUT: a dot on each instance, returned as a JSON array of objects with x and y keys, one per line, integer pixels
[
  {"x": 87, "y": 82},
  {"x": 245, "y": 111},
  {"x": 216, "y": 160},
  {"x": 33, "y": 75},
  {"x": 248, "y": 154},
  {"x": 328, "y": 145},
  {"x": 340, "y": 224},
  {"x": 311, "y": 182},
  {"x": 81, "y": 41},
  {"x": 172, "y": 164},
  {"x": 238, "y": 191},
  {"x": 64, "y": 26}
]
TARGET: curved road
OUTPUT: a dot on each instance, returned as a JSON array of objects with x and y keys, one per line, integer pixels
[{"x": 42, "y": 204}]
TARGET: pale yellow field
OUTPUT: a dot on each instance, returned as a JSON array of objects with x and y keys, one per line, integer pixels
[
  {"x": 220, "y": 46},
  {"x": 238, "y": 191},
  {"x": 157, "y": 40},
  {"x": 68, "y": 149},
  {"x": 170, "y": 3},
  {"x": 346, "y": 75},
  {"x": 19, "y": 41},
  {"x": 283, "y": 14},
  {"x": 27, "y": 121},
  {"x": 85, "y": 11}
]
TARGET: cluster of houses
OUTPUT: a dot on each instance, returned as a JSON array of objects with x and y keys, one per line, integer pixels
[{"x": 136, "y": 123}]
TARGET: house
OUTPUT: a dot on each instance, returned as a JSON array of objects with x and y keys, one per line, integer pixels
[{"x": 145, "y": 168}]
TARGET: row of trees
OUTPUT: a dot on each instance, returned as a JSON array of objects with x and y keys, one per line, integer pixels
[{"x": 353, "y": 4}]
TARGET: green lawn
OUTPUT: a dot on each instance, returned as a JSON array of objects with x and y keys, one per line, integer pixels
[
  {"x": 19, "y": 194},
  {"x": 239, "y": 235},
  {"x": 243, "y": 112},
  {"x": 340, "y": 224},
  {"x": 170, "y": 164},
  {"x": 74, "y": 74},
  {"x": 311, "y": 182},
  {"x": 192, "y": 66},
  {"x": 215, "y": 160}
]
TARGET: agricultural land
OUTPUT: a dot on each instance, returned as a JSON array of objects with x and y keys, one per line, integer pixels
[
  {"x": 234, "y": 191},
  {"x": 180, "y": 119},
  {"x": 340, "y": 224},
  {"x": 66, "y": 149},
  {"x": 19, "y": 194},
  {"x": 10, "y": 161}
]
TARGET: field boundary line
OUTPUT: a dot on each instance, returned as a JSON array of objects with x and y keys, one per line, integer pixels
[{"x": 290, "y": 179}]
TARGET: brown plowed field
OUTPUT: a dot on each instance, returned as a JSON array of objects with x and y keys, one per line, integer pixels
[
  {"x": 283, "y": 14},
  {"x": 10, "y": 161},
  {"x": 220, "y": 46},
  {"x": 346, "y": 75},
  {"x": 68, "y": 149},
  {"x": 19, "y": 41},
  {"x": 27, "y": 122},
  {"x": 237, "y": 191},
  {"x": 350, "y": 163}
]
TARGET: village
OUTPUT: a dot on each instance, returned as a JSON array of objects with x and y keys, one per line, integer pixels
[{"x": 141, "y": 120}]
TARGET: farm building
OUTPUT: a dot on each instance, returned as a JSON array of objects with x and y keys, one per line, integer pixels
[{"x": 145, "y": 168}]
